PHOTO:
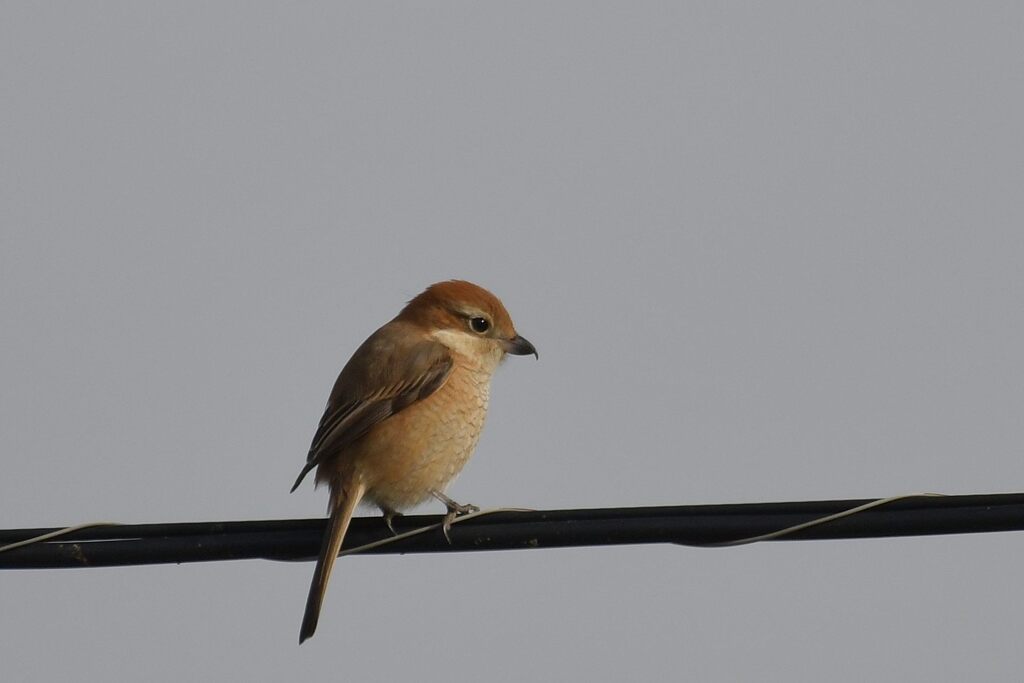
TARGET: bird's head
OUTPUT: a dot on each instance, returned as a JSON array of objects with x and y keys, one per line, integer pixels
[{"x": 468, "y": 319}]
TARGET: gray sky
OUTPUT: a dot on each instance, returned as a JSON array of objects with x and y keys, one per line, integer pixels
[{"x": 767, "y": 251}]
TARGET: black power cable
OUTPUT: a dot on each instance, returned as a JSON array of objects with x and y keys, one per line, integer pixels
[{"x": 697, "y": 525}]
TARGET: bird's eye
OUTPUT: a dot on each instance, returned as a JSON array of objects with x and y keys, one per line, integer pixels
[{"x": 479, "y": 325}]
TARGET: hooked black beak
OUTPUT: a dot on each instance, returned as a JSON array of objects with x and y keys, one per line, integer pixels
[{"x": 519, "y": 346}]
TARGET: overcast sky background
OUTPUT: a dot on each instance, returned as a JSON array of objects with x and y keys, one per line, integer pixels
[{"x": 767, "y": 251}]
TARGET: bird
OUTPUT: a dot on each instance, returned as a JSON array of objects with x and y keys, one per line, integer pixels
[{"x": 406, "y": 412}]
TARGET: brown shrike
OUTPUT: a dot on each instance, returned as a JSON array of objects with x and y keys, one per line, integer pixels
[{"x": 406, "y": 412}]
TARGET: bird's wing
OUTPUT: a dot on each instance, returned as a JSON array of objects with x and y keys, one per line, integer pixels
[{"x": 387, "y": 374}]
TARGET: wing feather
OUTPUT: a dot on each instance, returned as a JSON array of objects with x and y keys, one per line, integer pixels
[{"x": 387, "y": 374}]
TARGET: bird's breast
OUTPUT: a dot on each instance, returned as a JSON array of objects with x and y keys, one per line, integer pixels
[{"x": 424, "y": 447}]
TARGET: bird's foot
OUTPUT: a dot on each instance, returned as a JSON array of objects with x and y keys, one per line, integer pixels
[
  {"x": 454, "y": 510},
  {"x": 389, "y": 518}
]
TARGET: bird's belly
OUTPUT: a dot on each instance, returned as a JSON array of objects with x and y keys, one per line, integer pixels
[{"x": 424, "y": 447}]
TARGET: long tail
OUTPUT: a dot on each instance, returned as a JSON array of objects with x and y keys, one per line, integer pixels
[{"x": 343, "y": 504}]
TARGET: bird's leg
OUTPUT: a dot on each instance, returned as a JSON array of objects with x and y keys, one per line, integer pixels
[
  {"x": 454, "y": 510},
  {"x": 457, "y": 508},
  {"x": 389, "y": 517}
]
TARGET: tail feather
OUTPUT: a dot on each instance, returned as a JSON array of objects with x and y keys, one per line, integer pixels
[{"x": 343, "y": 504}]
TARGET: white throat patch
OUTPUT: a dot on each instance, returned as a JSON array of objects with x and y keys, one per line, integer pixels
[{"x": 479, "y": 352}]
